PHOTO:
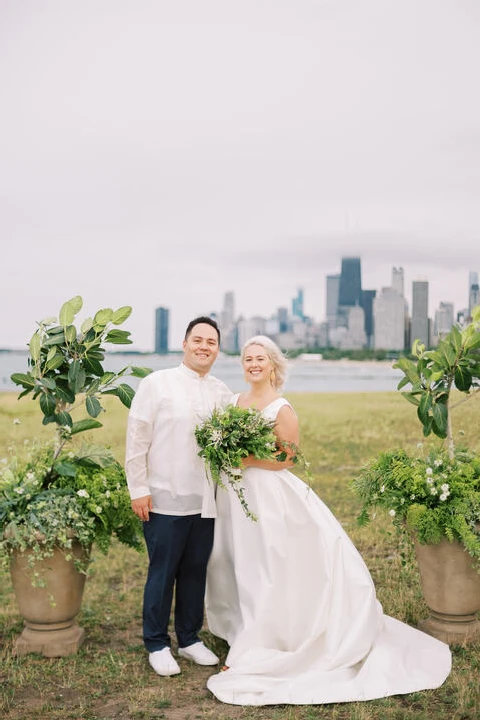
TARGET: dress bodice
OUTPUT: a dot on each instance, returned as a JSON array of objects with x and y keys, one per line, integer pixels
[{"x": 271, "y": 410}]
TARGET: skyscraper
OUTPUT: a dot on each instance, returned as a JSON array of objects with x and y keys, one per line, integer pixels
[
  {"x": 333, "y": 284},
  {"x": 297, "y": 305},
  {"x": 473, "y": 292},
  {"x": 350, "y": 288},
  {"x": 367, "y": 305},
  {"x": 161, "y": 330},
  {"x": 420, "y": 323},
  {"x": 389, "y": 318}
]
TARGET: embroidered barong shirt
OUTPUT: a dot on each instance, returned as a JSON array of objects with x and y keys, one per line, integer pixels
[{"x": 161, "y": 457}]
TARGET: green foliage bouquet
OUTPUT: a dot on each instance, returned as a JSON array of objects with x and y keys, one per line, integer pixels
[
  {"x": 433, "y": 495},
  {"x": 48, "y": 499},
  {"x": 226, "y": 437}
]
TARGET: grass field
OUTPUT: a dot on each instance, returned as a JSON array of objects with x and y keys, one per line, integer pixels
[{"x": 110, "y": 676}]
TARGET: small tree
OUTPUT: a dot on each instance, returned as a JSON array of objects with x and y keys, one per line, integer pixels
[
  {"x": 66, "y": 371},
  {"x": 455, "y": 363}
]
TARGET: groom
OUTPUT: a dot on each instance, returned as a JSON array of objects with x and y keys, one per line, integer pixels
[{"x": 170, "y": 493}]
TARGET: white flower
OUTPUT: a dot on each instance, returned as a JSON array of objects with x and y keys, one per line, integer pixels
[
  {"x": 16, "y": 421},
  {"x": 437, "y": 463},
  {"x": 98, "y": 509},
  {"x": 392, "y": 513},
  {"x": 444, "y": 496},
  {"x": 429, "y": 471},
  {"x": 419, "y": 445},
  {"x": 83, "y": 493},
  {"x": 412, "y": 497},
  {"x": 429, "y": 481},
  {"x": 236, "y": 472},
  {"x": 445, "y": 488},
  {"x": 433, "y": 491},
  {"x": 382, "y": 489}
]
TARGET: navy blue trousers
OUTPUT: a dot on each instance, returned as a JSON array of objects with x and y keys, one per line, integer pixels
[{"x": 179, "y": 547}]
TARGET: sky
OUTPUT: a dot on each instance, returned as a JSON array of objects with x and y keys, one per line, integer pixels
[{"x": 164, "y": 152}]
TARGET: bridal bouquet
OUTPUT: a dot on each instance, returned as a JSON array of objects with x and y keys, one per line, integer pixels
[{"x": 231, "y": 434}]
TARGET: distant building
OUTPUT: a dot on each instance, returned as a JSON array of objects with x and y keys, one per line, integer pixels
[
  {"x": 350, "y": 288},
  {"x": 227, "y": 324},
  {"x": 444, "y": 319},
  {"x": 333, "y": 287},
  {"x": 161, "y": 330},
  {"x": 355, "y": 337},
  {"x": 367, "y": 305},
  {"x": 389, "y": 319},
  {"x": 473, "y": 292},
  {"x": 419, "y": 329},
  {"x": 248, "y": 328},
  {"x": 297, "y": 305}
]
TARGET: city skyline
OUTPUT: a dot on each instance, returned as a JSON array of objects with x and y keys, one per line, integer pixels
[{"x": 149, "y": 160}]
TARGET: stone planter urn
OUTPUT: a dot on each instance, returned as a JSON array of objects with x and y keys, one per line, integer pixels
[
  {"x": 49, "y": 612},
  {"x": 451, "y": 588}
]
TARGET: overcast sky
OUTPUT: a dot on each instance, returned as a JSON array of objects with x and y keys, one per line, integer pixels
[{"x": 163, "y": 152}]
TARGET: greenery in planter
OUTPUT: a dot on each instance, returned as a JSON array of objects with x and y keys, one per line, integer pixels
[
  {"x": 436, "y": 494},
  {"x": 52, "y": 492}
]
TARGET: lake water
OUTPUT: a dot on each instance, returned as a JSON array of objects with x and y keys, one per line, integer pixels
[{"x": 303, "y": 375}]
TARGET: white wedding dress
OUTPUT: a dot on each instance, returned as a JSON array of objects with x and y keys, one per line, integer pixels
[{"x": 294, "y": 600}]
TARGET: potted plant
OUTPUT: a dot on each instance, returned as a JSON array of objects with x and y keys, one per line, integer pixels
[
  {"x": 434, "y": 496},
  {"x": 58, "y": 497}
]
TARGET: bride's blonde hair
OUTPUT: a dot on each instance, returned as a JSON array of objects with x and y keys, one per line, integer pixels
[{"x": 275, "y": 355}]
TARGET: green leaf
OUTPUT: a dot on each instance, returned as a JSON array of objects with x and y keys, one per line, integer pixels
[
  {"x": 118, "y": 337},
  {"x": 455, "y": 338},
  {"x": 92, "y": 366},
  {"x": 427, "y": 426},
  {"x": 26, "y": 380},
  {"x": 463, "y": 378},
  {"x": 473, "y": 342},
  {"x": 140, "y": 372},
  {"x": 93, "y": 406},
  {"x": 56, "y": 339},
  {"x": 55, "y": 361},
  {"x": 124, "y": 392},
  {"x": 86, "y": 424},
  {"x": 76, "y": 376},
  {"x": 47, "y": 382},
  {"x": 86, "y": 325},
  {"x": 70, "y": 334},
  {"x": 102, "y": 317},
  {"x": 47, "y": 404},
  {"x": 120, "y": 315},
  {"x": 409, "y": 368},
  {"x": 411, "y": 398},
  {"x": 64, "y": 392},
  {"x": 65, "y": 469},
  {"x": 35, "y": 346},
  {"x": 440, "y": 418},
  {"x": 64, "y": 418},
  {"x": 448, "y": 353},
  {"x": 424, "y": 407},
  {"x": 69, "y": 310}
]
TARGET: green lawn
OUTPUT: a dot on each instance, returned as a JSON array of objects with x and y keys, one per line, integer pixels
[{"x": 110, "y": 676}]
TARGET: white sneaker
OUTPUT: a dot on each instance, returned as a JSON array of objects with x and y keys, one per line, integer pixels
[
  {"x": 163, "y": 662},
  {"x": 199, "y": 654}
]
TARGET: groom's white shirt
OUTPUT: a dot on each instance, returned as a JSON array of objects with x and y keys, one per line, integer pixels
[{"x": 161, "y": 451}]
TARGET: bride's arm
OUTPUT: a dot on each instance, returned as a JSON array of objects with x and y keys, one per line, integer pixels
[{"x": 286, "y": 430}]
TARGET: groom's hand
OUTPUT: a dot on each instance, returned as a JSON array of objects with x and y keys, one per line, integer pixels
[{"x": 142, "y": 507}]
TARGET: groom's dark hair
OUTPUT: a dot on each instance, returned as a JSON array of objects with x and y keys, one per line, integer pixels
[{"x": 202, "y": 319}]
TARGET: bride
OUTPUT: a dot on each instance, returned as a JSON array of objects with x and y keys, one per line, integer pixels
[{"x": 290, "y": 593}]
